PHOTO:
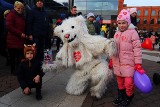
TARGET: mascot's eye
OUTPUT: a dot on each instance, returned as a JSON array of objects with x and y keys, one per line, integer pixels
[
  {"x": 72, "y": 27},
  {"x": 62, "y": 31}
]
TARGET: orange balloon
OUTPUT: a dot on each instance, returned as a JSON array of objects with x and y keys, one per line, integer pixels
[{"x": 147, "y": 44}]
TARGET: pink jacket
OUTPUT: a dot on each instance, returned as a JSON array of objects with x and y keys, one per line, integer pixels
[{"x": 129, "y": 53}]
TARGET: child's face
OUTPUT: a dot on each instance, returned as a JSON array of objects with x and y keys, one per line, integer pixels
[
  {"x": 91, "y": 19},
  {"x": 122, "y": 25},
  {"x": 134, "y": 14},
  {"x": 29, "y": 55}
]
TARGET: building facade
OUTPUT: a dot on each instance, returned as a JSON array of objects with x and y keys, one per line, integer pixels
[
  {"x": 148, "y": 17},
  {"x": 108, "y": 9}
]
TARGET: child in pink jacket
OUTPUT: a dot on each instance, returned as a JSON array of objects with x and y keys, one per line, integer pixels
[{"x": 128, "y": 59}]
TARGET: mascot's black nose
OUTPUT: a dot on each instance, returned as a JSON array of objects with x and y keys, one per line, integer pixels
[{"x": 67, "y": 36}]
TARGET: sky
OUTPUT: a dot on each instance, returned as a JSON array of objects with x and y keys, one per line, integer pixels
[{"x": 142, "y": 2}]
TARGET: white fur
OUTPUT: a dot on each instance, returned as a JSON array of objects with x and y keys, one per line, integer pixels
[{"x": 90, "y": 69}]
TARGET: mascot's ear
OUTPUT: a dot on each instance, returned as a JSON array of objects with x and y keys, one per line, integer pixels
[
  {"x": 81, "y": 21},
  {"x": 57, "y": 31},
  {"x": 80, "y": 18}
]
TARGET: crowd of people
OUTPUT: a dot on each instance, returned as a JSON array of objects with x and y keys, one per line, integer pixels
[{"x": 35, "y": 27}]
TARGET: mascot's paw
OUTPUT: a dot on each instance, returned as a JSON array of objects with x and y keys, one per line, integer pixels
[{"x": 111, "y": 47}]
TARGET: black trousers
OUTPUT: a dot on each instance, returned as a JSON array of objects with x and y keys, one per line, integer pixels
[
  {"x": 35, "y": 85},
  {"x": 15, "y": 56},
  {"x": 58, "y": 42},
  {"x": 40, "y": 42},
  {"x": 38, "y": 86}
]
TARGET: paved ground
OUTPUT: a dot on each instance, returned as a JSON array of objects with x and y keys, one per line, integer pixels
[
  {"x": 54, "y": 90},
  {"x": 140, "y": 100},
  {"x": 8, "y": 82}
]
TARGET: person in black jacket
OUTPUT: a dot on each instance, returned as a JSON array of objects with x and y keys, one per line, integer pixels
[
  {"x": 112, "y": 30},
  {"x": 38, "y": 27},
  {"x": 29, "y": 72}
]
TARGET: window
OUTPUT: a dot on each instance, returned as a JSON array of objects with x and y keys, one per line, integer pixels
[
  {"x": 152, "y": 21},
  {"x": 138, "y": 12},
  {"x": 158, "y": 21},
  {"x": 145, "y": 21},
  {"x": 138, "y": 21},
  {"x": 146, "y": 13},
  {"x": 153, "y": 13}
]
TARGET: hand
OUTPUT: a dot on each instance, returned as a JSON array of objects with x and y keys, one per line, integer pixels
[
  {"x": 30, "y": 37},
  {"x": 26, "y": 90},
  {"x": 37, "y": 79},
  {"x": 139, "y": 68},
  {"x": 110, "y": 64}
]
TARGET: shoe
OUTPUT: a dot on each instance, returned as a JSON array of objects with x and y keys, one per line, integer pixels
[
  {"x": 126, "y": 101},
  {"x": 38, "y": 94},
  {"x": 38, "y": 97},
  {"x": 121, "y": 95}
]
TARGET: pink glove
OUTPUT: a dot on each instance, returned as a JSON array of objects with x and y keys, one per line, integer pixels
[
  {"x": 110, "y": 64},
  {"x": 139, "y": 68}
]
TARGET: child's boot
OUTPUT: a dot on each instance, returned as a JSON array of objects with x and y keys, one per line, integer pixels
[
  {"x": 126, "y": 101},
  {"x": 38, "y": 94},
  {"x": 121, "y": 95}
]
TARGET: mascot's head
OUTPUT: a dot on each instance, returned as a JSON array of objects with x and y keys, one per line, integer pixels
[{"x": 71, "y": 30}]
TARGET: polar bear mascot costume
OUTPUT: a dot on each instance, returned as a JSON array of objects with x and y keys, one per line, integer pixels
[{"x": 83, "y": 51}]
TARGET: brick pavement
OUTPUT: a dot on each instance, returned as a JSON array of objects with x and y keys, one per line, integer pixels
[
  {"x": 8, "y": 82},
  {"x": 140, "y": 100}
]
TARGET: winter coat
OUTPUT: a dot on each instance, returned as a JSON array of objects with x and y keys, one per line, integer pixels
[
  {"x": 97, "y": 26},
  {"x": 112, "y": 31},
  {"x": 91, "y": 28},
  {"x": 134, "y": 20},
  {"x": 26, "y": 74},
  {"x": 15, "y": 24},
  {"x": 129, "y": 52},
  {"x": 38, "y": 23}
]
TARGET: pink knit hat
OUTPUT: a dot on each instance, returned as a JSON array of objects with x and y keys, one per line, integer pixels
[
  {"x": 132, "y": 10},
  {"x": 124, "y": 15}
]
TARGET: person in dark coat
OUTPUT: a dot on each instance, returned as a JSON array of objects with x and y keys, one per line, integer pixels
[
  {"x": 15, "y": 24},
  {"x": 29, "y": 72},
  {"x": 38, "y": 27},
  {"x": 97, "y": 25},
  {"x": 1, "y": 31},
  {"x": 112, "y": 30}
]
